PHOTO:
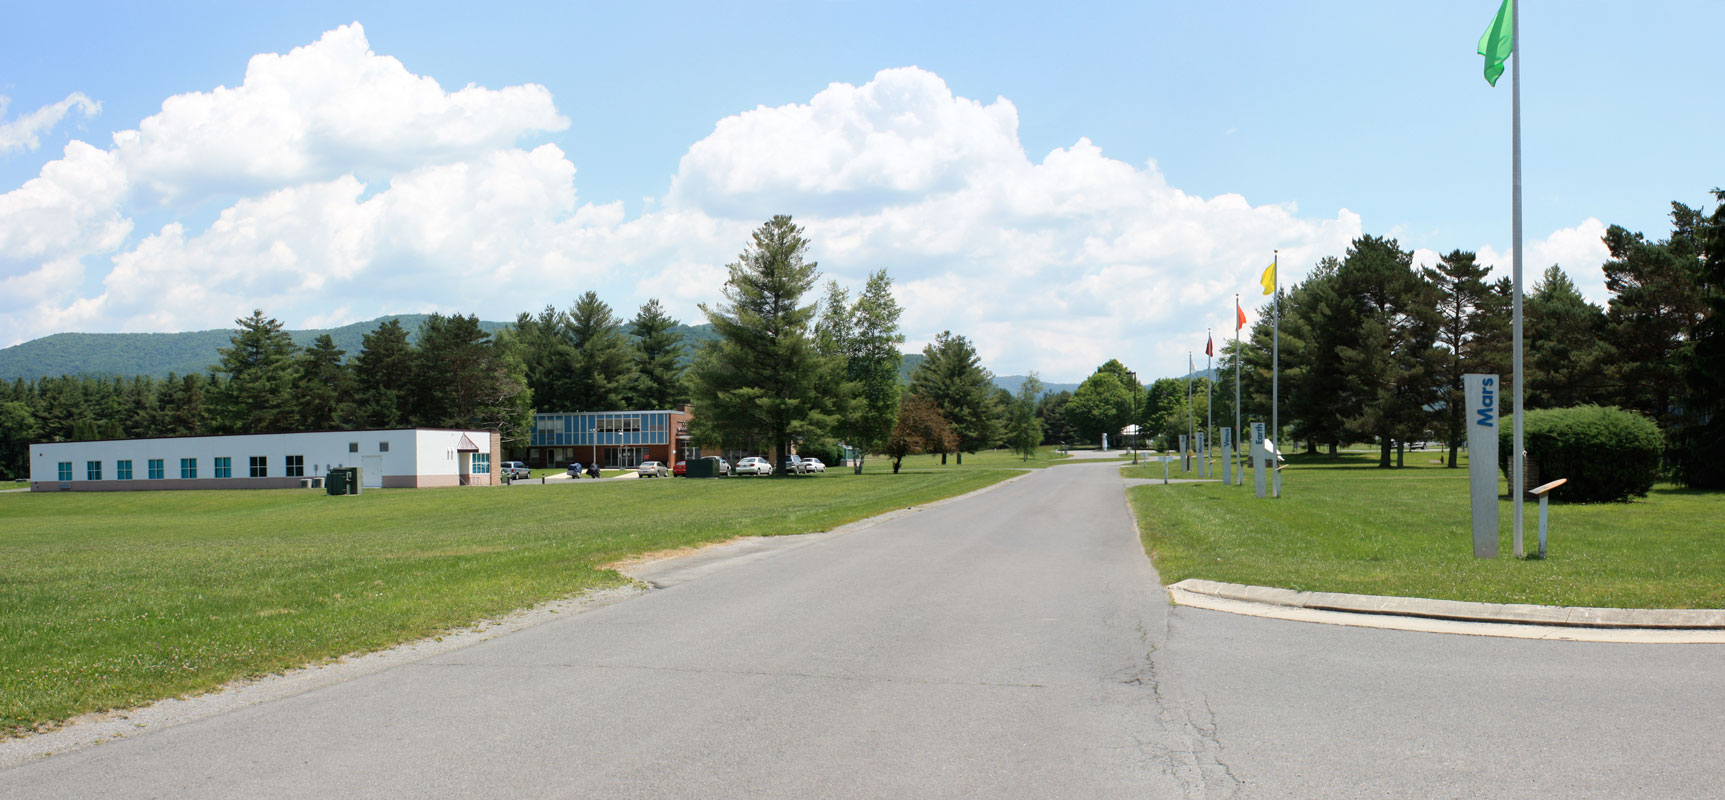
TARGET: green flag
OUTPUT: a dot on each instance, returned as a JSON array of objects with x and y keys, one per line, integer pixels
[{"x": 1498, "y": 41}]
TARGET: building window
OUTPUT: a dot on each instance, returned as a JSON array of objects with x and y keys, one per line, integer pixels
[
  {"x": 65, "y": 472},
  {"x": 93, "y": 470},
  {"x": 224, "y": 468},
  {"x": 296, "y": 466},
  {"x": 481, "y": 463},
  {"x": 617, "y": 425},
  {"x": 188, "y": 468},
  {"x": 353, "y": 447},
  {"x": 155, "y": 467},
  {"x": 383, "y": 447},
  {"x": 123, "y": 470},
  {"x": 260, "y": 466}
]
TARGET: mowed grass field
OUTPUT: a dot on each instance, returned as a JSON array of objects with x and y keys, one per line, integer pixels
[
  {"x": 1346, "y": 526},
  {"x": 112, "y": 600}
]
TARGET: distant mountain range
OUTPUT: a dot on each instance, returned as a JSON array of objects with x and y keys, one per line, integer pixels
[{"x": 157, "y": 354}]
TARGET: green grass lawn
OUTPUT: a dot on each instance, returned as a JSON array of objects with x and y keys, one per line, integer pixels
[
  {"x": 116, "y": 599},
  {"x": 1347, "y": 526}
]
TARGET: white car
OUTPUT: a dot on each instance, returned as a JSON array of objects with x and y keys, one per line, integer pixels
[
  {"x": 652, "y": 469},
  {"x": 754, "y": 465},
  {"x": 813, "y": 465}
]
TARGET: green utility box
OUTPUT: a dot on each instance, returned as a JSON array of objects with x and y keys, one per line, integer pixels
[
  {"x": 701, "y": 468},
  {"x": 342, "y": 480}
]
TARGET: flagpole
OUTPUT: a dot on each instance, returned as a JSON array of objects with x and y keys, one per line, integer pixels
[
  {"x": 1236, "y": 454},
  {"x": 1517, "y": 456},
  {"x": 1191, "y": 430},
  {"x": 1209, "y": 391},
  {"x": 1276, "y": 373}
]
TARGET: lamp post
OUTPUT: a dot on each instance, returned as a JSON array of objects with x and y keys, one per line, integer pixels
[{"x": 1137, "y": 430}]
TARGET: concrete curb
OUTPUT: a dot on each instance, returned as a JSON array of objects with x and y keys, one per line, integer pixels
[{"x": 1501, "y": 613}]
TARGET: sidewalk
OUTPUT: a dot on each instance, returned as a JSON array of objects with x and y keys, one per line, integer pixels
[{"x": 1495, "y": 619}]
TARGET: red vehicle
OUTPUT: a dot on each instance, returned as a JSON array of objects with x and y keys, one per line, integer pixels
[{"x": 681, "y": 469}]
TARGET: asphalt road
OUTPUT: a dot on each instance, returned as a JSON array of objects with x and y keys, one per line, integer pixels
[{"x": 1012, "y": 644}]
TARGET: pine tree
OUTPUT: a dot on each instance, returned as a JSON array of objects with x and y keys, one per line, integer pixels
[
  {"x": 865, "y": 338},
  {"x": 257, "y": 394},
  {"x": 951, "y": 375},
  {"x": 548, "y": 356},
  {"x": 1024, "y": 431},
  {"x": 602, "y": 372},
  {"x": 762, "y": 376},
  {"x": 323, "y": 385},
  {"x": 383, "y": 379},
  {"x": 1566, "y": 356},
  {"x": 1392, "y": 358},
  {"x": 658, "y": 357},
  {"x": 1464, "y": 301},
  {"x": 1698, "y": 464}
]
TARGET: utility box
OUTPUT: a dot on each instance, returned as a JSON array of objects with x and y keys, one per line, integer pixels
[
  {"x": 342, "y": 480},
  {"x": 701, "y": 468}
]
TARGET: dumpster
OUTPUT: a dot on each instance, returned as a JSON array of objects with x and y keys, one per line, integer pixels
[{"x": 701, "y": 468}]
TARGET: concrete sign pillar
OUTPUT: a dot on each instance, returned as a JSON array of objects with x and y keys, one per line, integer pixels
[
  {"x": 1185, "y": 455},
  {"x": 1258, "y": 457},
  {"x": 1482, "y": 417},
  {"x": 1203, "y": 455},
  {"x": 1227, "y": 456}
]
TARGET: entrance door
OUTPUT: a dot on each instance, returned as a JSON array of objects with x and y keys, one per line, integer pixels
[{"x": 371, "y": 472}]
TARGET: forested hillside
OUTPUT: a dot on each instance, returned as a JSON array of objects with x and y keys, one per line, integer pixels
[{"x": 157, "y": 354}]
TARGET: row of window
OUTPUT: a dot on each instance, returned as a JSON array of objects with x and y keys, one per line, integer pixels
[{"x": 224, "y": 468}]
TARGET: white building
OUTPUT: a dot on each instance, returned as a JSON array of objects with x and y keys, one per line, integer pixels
[{"x": 405, "y": 458}]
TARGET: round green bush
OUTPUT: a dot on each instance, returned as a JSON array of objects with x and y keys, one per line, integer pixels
[{"x": 1607, "y": 454}]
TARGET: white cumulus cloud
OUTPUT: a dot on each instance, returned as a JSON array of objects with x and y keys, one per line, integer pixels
[{"x": 24, "y": 133}]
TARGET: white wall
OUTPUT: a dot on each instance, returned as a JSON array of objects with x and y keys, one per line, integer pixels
[{"x": 411, "y": 452}]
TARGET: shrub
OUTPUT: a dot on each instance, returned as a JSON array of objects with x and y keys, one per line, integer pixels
[{"x": 1607, "y": 454}]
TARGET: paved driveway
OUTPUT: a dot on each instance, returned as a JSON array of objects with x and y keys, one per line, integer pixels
[{"x": 1012, "y": 644}]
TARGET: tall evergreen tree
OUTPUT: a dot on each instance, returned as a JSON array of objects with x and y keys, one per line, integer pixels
[
  {"x": 658, "y": 356},
  {"x": 383, "y": 379},
  {"x": 1653, "y": 313},
  {"x": 761, "y": 377},
  {"x": 602, "y": 372},
  {"x": 1698, "y": 464},
  {"x": 1465, "y": 301},
  {"x": 1392, "y": 358},
  {"x": 1567, "y": 358},
  {"x": 322, "y": 385},
  {"x": 1024, "y": 430},
  {"x": 868, "y": 337},
  {"x": 549, "y": 358},
  {"x": 1051, "y": 415},
  {"x": 257, "y": 395},
  {"x": 185, "y": 403},
  {"x": 461, "y": 379},
  {"x": 951, "y": 374}
]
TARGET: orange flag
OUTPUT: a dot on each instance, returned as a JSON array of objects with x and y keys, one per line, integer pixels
[
  {"x": 1239, "y": 316},
  {"x": 1209, "y": 345}
]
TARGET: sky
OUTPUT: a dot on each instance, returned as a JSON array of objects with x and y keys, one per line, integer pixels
[{"x": 1060, "y": 184}]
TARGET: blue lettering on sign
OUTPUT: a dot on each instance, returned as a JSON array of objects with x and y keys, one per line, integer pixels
[{"x": 1485, "y": 404}]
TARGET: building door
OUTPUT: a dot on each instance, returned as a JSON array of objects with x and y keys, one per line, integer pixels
[{"x": 371, "y": 472}]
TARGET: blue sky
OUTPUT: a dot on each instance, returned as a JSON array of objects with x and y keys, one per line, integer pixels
[{"x": 1062, "y": 185}]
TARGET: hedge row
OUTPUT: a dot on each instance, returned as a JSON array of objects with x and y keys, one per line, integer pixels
[{"x": 1607, "y": 454}]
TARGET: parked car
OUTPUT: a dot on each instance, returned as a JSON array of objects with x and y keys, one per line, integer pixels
[
  {"x": 652, "y": 469},
  {"x": 516, "y": 471},
  {"x": 813, "y": 465},
  {"x": 680, "y": 469},
  {"x": 754, "y": 465},
  {"x": 724, "y": 466}
]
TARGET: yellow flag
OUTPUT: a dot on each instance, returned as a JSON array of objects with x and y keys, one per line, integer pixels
[{"x": 1269, "y": 279}]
